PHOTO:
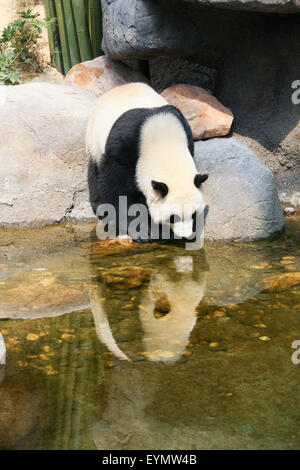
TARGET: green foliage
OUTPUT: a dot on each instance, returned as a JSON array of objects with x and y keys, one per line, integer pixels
[{"x": 17, "y": 45}]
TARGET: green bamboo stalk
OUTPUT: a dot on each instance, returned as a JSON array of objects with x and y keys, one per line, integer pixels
[
  {"x": 63, "y": 35},
  {"x": 71, "y": 32},
  {"x": 50, "y": 33},
  {"x": 53, "y": 34},
  {"x": 81, "y": 22},
  {"x": 95, "y": 26}
]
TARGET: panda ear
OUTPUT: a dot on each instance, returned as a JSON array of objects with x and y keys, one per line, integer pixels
[
  {"x": 162, "y": 188},
  {"x": 199, "y": 179}
]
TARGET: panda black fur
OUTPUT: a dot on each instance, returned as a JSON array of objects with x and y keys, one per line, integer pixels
[{"x": 113, "y": 173}]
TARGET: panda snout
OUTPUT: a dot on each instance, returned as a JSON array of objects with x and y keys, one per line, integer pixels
[{"x": 183, "y": 229}]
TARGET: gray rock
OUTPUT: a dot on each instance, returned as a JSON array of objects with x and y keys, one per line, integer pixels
[
  {"x": 138, "y": 29},
  {"x": 43, "y": 176},
  {"x": 2, "y": 351},
  {"x": 240, "y": 192},
  {"x": 147, "y": 28},
  {"x": 267, "y": 6},
  {"x": 49, "y": 75}
]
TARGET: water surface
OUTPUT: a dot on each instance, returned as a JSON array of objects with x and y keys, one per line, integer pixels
[{"x": 148, "y": 346}]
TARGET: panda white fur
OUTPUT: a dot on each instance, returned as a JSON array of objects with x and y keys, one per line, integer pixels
[
  {"x": 142, "y": 148},
  {"x": 163, "y": 338},
  {"x": 2, "y": 351}
]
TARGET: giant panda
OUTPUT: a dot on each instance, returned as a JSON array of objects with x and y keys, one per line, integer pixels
[{"x": 142, "y": 148}]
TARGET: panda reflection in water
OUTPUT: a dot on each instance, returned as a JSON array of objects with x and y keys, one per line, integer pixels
[
  {"x": 142, "y": 148},
  {"x": 181, "y": 280},
  {"x": 2, "y": 357}
]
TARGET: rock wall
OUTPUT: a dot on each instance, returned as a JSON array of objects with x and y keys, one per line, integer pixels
[{"x": 255, "y": 55}]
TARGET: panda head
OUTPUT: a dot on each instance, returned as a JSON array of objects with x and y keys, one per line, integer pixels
[
  {"x": 166, "y": 171},
  {"x": 176, "y": 202}
]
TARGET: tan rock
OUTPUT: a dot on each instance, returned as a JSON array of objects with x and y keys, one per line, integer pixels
[
  {"x": 101, "y": 74},
  {"x": 41, "y": 293},
  {"x": 126, "y": 277},
  {"x": 32, "y": 337},
  {"x": 205, "y": 114},
  {"x": 112, "y": 246},
  {"x": 281, "y": 282}
]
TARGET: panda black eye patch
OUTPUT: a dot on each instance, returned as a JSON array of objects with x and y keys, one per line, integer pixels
[
  {"x": 174, "y": 218},
  {"x": 199, "y": 179}
]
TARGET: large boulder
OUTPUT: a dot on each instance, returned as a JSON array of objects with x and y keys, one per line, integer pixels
[
  {"x": 32, "y": 261},
  {"x": 144, "y": 28},
  {"x": 241, "y": 195},
  {"x": 101, "y": 75},
  {"x": 40, "y": 293},
  {"x": 43, "y": 166},
  {"x": 153, "y": 28}
]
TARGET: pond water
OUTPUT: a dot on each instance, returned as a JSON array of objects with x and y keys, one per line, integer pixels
[{"x": 132, "y": 346}]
